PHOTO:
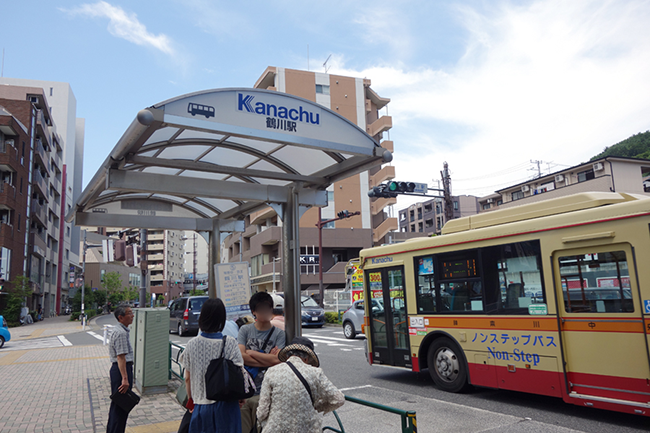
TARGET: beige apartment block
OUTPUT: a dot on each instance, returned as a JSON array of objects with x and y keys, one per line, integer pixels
[
  {"x": 260, "y": 243},
  {"x": 615, "y": 174}
]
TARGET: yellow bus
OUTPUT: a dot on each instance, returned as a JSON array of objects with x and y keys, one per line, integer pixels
[{"x": 548, "y": 298}]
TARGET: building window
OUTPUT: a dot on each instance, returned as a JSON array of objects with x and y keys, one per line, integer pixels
[
  {"x": 67, "y": 254},
  {"x": 585, "y": 175},
  {"x": 428, "y": 207},
  {"x": 21, "y": 184},
  {"x": 517, "y": 195},
  {"x": 412, "y": 228},
  {"x": 486, "y": 206},
  {"x": 5, "y": 264},
  {"x": 455, "y": 205},
  {"x": 18, "y": 225},
  {"x": 67, "y": 231},
  {"x": 499, "y": 202},
  {"x": 322, "y": 89},
  {"x": 420, "y": 227}
]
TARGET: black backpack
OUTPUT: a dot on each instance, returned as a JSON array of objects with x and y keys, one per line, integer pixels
[{"x": 225, "y": 381}]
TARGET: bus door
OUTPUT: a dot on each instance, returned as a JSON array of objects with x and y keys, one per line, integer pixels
[
  {"x": 603, "y": 337},
  {"x": 388, "y": 319}
]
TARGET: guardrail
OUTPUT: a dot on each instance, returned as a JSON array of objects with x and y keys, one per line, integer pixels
[
  {"x": 175, "y": 361},
  {"x": 409, "y": 421}
]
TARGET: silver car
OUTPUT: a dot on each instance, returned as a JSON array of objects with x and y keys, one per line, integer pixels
[{"x": 353, "y": 317}]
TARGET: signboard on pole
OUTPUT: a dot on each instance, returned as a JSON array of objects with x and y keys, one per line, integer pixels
[{"x": 233, "y": 288}]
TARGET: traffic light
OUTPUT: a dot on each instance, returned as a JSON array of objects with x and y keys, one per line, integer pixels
[
  {"x": 129, "y": 256},
  {"x": 120, "y": 251},
  {"x": 401, "y": 186},
  {"x": 343, "y": 214},
  {"x": 392, "y": 189},
  {"x": 381, "y": 191}
]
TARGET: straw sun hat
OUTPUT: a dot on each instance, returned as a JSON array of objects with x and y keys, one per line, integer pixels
[{"x": 302, "y": 344}]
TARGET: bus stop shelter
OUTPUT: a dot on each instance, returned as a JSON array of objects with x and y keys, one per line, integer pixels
[{"x": 203, "y": 161}]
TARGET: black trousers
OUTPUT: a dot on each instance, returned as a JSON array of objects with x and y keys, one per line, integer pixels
[{"x": 116, "y": 415}]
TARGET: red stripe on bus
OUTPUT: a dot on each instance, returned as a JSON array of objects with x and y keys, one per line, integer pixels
[{"x": 510, "y": 235}]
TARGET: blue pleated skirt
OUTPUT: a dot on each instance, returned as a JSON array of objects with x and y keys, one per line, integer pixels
[{"x": 219, "y": 417}]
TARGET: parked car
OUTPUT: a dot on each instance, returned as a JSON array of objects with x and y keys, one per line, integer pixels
[
  {"x": 312, "y": 314},
  {"x": 5, "y": 335},
  {"x": 353, "y": 317},
  {"x": 184, "y": 315}
]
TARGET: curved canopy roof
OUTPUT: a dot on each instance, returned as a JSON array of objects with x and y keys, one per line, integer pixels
[{"x": 221, "y": 154}]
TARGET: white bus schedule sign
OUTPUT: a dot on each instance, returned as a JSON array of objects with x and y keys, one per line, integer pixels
[{"x": 233, "y": 288}]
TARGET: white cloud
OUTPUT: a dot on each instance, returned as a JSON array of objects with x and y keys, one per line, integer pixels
[
  {"x": 554, "y": 81},
  {"x": 124, "y": 25}
]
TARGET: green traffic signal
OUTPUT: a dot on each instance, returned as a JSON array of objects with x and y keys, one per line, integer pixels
[{"x": 393, "y": 186}]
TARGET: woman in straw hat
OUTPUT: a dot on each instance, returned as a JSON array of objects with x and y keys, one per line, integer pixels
[{"x": 286, "y": 403}]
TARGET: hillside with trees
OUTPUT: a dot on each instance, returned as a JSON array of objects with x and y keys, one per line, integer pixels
[{"x": 636, "y": 146}]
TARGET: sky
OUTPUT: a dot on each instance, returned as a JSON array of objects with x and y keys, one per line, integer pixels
[{"x": 487, "y": 86}]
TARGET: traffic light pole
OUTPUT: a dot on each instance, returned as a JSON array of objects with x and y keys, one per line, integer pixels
[{"x": 320, "y": 224}]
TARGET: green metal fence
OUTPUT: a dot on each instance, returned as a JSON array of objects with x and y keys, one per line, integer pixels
[{"x": 409, "y": 421}]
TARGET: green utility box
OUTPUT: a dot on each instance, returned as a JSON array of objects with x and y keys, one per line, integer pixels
[{"x": 150, "y": 341}]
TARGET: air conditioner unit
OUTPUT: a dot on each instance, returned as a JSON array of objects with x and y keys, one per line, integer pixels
[
  {"x": 9, "y": 142},
  {"x": 525, "y": 188},
  {"x": 490, "y": 200},
  {"x": 598, "y": 166},
  {"x": 559, "y": 178}
]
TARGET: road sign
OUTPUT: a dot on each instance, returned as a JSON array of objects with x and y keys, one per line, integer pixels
[{"x": 421, "y": 188}]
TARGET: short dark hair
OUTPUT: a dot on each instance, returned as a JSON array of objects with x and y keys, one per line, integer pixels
[
  {"x": 213, "y": 316},
  {"x": 260, "y": 298},
  {"x": 120, "y": 311}
]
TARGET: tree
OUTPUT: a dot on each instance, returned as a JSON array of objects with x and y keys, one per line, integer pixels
[
  {"x": 100, "y": 297},
  {"x": 197, "y": 292},
  {"x": 19, "y": 290},
  {"x": 130, "y": 293},
  {"x": 112, "y": 282}
]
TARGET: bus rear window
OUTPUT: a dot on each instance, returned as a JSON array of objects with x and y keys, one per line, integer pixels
[{"x": 596, "y": 283}]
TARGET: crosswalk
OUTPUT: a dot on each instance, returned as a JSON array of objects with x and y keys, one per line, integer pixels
[{"x": 38, "y": 343}]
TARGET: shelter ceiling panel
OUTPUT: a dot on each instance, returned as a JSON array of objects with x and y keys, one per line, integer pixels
[
  {"x": 233, "y": 158},
  {"x": 187, "y": 151}
]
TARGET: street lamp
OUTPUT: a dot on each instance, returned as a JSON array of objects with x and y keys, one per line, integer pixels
[{"x": 320, "y": 224}]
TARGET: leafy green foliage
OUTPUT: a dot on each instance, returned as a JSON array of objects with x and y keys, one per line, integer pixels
[
  {"x": 332, "y": 317},
  {"x": 17, "y": 293},
  {"x": 636, "y": 146}
]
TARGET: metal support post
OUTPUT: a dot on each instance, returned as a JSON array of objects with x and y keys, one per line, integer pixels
[
  {"x": 144, "y": 268},
  {"x": 214, "y": 244},
  {"x": 83, "y": 285},
  {"x": 321, "y": 291},
  {"x": 289, "y": 268}
]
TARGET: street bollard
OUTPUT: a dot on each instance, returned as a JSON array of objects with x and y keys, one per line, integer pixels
[{"x": 106, "y": 328}]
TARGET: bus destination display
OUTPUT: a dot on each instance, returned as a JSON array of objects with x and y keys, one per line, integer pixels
[{"x": 459, "y": 269}]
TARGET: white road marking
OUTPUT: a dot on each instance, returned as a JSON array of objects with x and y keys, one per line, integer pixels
[
  {"x": 97, "y": 336},
  {"x": 40, "y": 343},
  {"x": 329, "y": 343},
  {"x": 355, "y": 387},
  {"x": 64, "y": 340},
  {"x": 310, "y": 336}
]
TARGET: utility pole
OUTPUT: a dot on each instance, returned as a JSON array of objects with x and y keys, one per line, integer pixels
[
  {"x": 446, "y": 190},
  {"x": 539, "y": 170},
  {"x": 320, "y": 224},
  {"x": 83, "y": 284}
]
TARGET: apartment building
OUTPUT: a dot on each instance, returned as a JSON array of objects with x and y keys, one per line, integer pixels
[
  {"x": 38, "y": 183},
  {"x": 615, "y": 174},
  {"x": 65, "y": 175},
  {"x": 166, "y": 260},
  {"x": 260, "y": 243},
  {"x": 196, "y": 260},
  {"x": 428, "y": 217}
]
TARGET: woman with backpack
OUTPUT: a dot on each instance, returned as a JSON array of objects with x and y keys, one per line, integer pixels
[{"x": 209, "y": 415}]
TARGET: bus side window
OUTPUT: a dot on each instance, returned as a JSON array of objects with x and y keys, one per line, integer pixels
[
  {"x": 596, "y": 283},
  {"x": 513, "y": 277},
  {"x": 426, "y": 289}
]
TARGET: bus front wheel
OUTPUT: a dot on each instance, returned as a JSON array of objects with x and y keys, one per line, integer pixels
[{"x": 447, "y": 365}]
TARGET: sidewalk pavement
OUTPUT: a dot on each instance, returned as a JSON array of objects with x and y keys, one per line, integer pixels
[
  {"x": 49, "y": 327},
  {"x": 67, "y": 390}
]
